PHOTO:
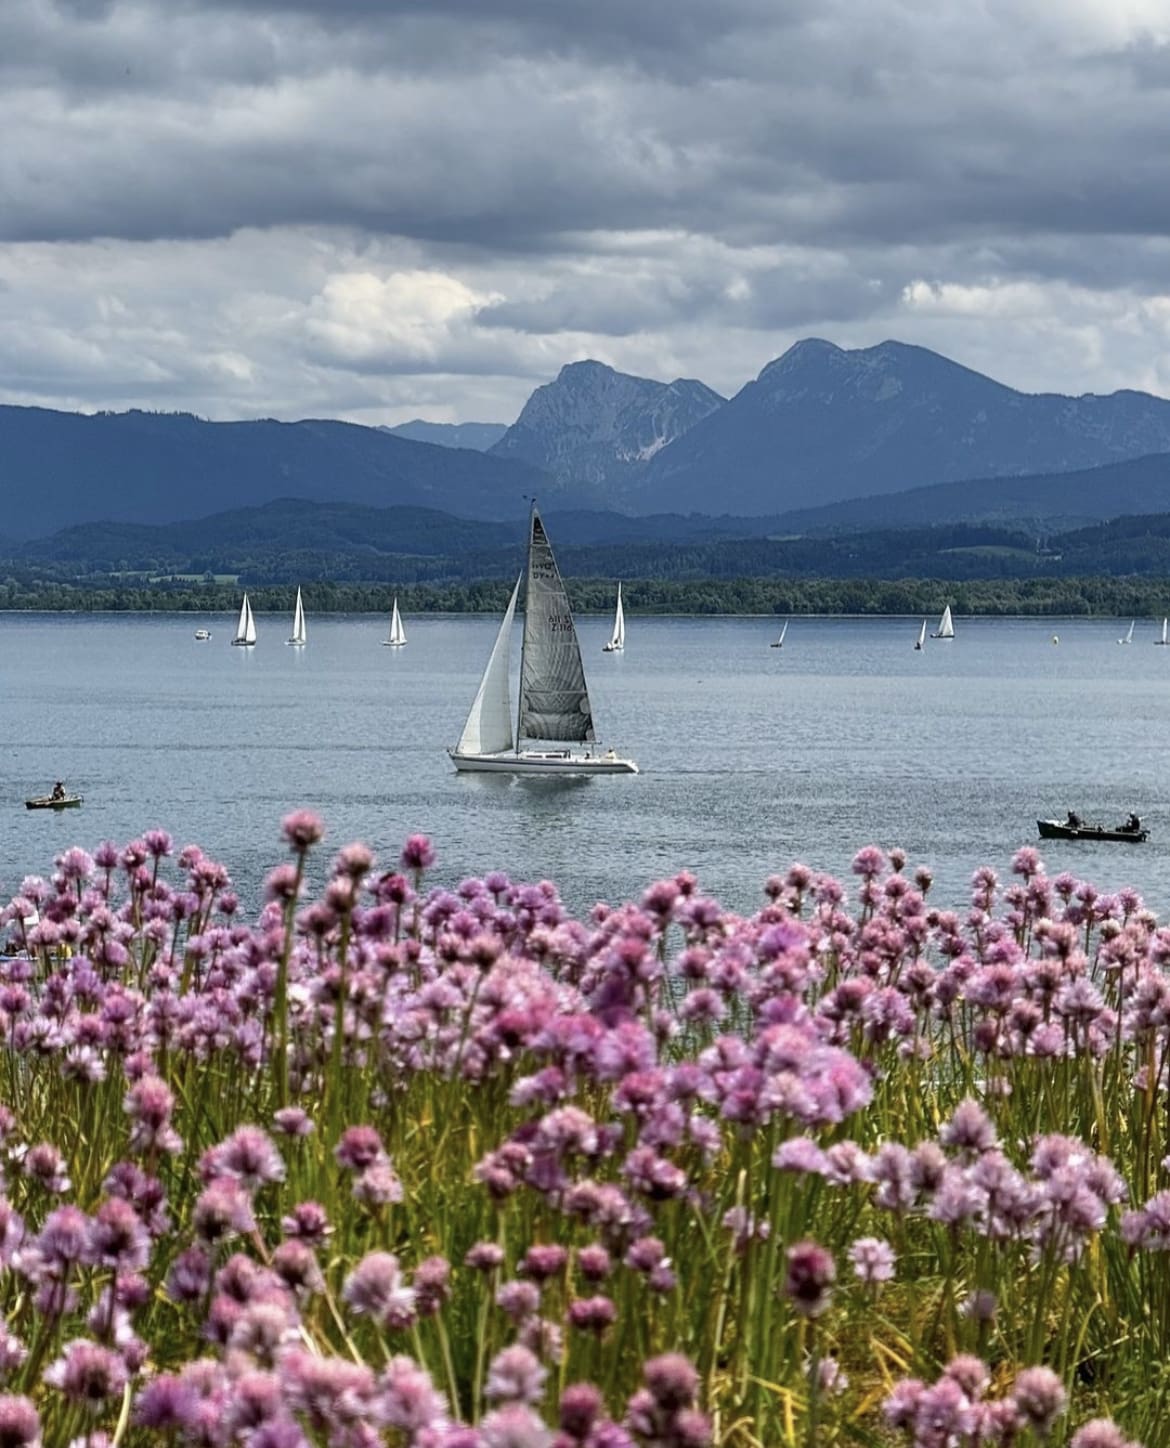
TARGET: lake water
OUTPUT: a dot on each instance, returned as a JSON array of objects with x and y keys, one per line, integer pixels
[{"x": 751, "y": 757}]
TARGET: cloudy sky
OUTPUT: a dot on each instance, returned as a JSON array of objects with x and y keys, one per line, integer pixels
[{"x": 377, "y": 209}]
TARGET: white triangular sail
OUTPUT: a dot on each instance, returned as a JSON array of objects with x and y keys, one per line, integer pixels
[
  {"x": 300, "y": 634},
  {"x": 946, "y": 626},
  {"x": 489, "y": 724},
  {"x": 245, "y": 624},
  {"x": 1165, "y": 639},
  {"x": 618, "y": 642},
  {"x": 554, "y": 701},
  {"x": 1128, "y": 639},
  {"x": 397, "y": 635},
  {"x": 921, "y": 644}
]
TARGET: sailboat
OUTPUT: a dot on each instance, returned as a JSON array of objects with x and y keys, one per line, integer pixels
[
  {"x": 921, "y": 644},
  {"x": 946, "y": 627},
  {"x": 779, "y": 643},
  {"x": 300, "y": 635},
  {"x": 554, "y": 699},
  {"x": 618, "y": 642},
  {"x": 245, "y": 626},
  {"x": 1128, "y": 639},
  {"x": 397, "y": 636},
  {"x": 1164, "y": 639}
]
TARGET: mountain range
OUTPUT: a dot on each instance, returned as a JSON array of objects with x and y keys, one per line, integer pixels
[
  {"x": 892, "y": 435},
  {"x": 479, "y": 436},
  {"x": 597, "y": 426}
]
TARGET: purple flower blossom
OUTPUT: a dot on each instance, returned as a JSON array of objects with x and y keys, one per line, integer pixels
[
  {"x": 809, "y": 1279},
  {"x": 873, "y": 1260},
  {"x": 515, "y": 1375},
  {"x": 376, "y": 1289},
  {"x": 20, "y": 1424}
]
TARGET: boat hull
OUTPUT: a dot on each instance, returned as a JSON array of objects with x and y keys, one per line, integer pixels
[
  {"x": 71, "y": 801},
  {"x": 243, "y": 643},
  {"x": 1058, "y": 830},
  {"x": 529, "y": 762},
  {"x": 612, "y": 648}
]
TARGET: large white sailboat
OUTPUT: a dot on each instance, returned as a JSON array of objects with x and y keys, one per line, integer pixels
[
  {"x": 554, "y": 700},
  {"x": 397, "y": 636},
  {"x": 1128, "y": 639},
  {"x": 300, "y": 636},
  {"x": 1165, "y": 639},
  {"x": 245, "y": 626},
  {"x": 618, "y": 642},
  {"x": 779, "y": 643},
  {"x": 946, "y": 626},
  {"x": 921, "y": 643}
]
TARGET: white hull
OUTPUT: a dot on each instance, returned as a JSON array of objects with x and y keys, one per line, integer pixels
[
  {"x": 612, "y": 648},
  {"x": 531, "y": 762}
]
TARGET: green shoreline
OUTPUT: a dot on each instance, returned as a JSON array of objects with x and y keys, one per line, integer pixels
[{"x": 1083, "y": 597}]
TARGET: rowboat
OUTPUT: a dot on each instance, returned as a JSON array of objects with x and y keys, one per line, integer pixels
[{"x": 46, "y": 801}]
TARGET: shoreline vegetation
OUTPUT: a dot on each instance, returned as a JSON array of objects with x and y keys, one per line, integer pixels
[
  {"x": 1084, "y": 597},
  {"x": 405, "y": 1166}
]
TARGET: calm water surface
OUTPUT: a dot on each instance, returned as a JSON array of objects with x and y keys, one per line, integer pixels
[{"x": 751, "y": 757}]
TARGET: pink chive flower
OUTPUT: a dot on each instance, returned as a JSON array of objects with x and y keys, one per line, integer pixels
[
  {"x": 515, "y": 1376},
  {"x": 418, "y": 854},
  {"x": 1040, "y": 1397},
  {"x": 592, "y": 1314},
  {"x": 20, "y": 1423},
  {"x": 88, "y": 1373},
  {"x": 1100, "y": 1433},
  {"x": 376, "y": 1289},
  {"x": 873, "y": 1260},
  {"x": 809, "y": 1280},
  {"x": 302, "y": 829},
  {"x": 248, "y": 1156}
]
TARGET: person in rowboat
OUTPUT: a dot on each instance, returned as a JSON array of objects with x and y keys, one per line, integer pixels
[{"x": 58, "y": 791}]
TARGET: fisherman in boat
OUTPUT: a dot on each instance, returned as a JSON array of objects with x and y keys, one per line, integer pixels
[
  {"x": 58, "y": 791},
  {"x": 1133, "y": 825},
  {"x": 1074, "y": 820}
]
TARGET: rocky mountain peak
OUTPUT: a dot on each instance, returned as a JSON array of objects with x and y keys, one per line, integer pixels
[{"x": 596, "y": 425}]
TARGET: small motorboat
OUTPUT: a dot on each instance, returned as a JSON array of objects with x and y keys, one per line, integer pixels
[
  {"x": 1118, "y": 834},
  {"x": 202, "y": 634},
  {"x": 50, "y": 801}
]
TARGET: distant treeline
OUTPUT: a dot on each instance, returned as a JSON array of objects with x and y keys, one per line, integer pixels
[{"x": 1085, "y": 596}]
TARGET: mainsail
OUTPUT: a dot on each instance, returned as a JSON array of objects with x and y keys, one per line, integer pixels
[
  {"x": 245, "y": 625},
  {"x": 554, "y": 702},
  {"x": 489, "y": 724},
  {"x": 397, "y": 632},
  {"x": 946, "y": 627},
  {"x": 618, "y": 642},
  {"x": 300, "y": 634}
]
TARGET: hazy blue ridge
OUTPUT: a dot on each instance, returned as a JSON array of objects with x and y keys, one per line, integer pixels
[{"x": 478, "y": 436}]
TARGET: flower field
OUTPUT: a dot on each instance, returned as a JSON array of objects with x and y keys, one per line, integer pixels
[{"x": 450, "y": 1169}]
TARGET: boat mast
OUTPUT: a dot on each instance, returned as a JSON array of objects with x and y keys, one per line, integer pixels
[{"x": 524, "y": 635}]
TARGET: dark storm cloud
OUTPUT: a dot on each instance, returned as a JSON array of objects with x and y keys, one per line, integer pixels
[{"x": 301, "y": 196}]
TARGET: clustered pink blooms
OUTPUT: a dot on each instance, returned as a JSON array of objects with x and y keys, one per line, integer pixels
[{"x": 633, "y": 1063}]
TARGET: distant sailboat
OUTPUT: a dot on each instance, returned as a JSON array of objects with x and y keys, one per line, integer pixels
[
  {"x": 300, "y": 635},
  {"x": 554, "y": 698},
  {"x": 245, "y": 626},
  {"x": 779, "y": 643},
  {"x": 397, "y": 635},
  {"x": 946, "y": 626},
  {"x": 1128, "y": 639},
  {"x": 921, "y": 644},
  {"x": 1164, "y": 639},
  {"x": 618, "y": 642}
]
